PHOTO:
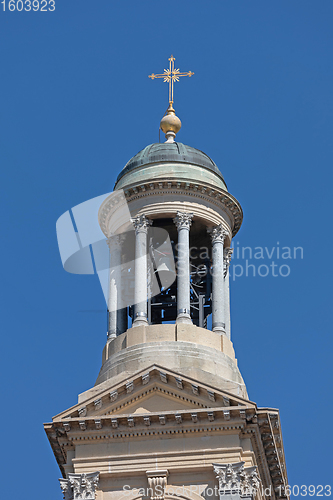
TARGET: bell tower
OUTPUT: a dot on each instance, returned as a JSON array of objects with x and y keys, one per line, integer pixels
[{"x": 169, "y": 415}]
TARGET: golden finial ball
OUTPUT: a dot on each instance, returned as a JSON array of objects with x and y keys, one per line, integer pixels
[{"x": 170, "y": 122}]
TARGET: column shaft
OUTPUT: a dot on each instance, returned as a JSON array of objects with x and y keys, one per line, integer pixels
[
  {"x": 227, "y": 306},
  {"x": 218, "y": 235},
  {"x": 227, "y": 259},
  {"x": 183, "y": 223},
  {"x": 114, "y": 285},
  {"x": 141, "y": 224}
]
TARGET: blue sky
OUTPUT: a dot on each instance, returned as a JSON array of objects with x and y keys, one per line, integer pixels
[{"x": 76, "y": 104}]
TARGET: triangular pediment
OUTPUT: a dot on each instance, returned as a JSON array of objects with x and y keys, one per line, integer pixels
[
  {"x": 150, "y": 391},
  {"x": 154, "y": 402}
]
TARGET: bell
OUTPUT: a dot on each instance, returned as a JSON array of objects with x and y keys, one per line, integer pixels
[{"x": 166, "y": 271}]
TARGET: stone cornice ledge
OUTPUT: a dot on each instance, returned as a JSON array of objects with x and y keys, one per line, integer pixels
[{"x": 216, "y": 196}]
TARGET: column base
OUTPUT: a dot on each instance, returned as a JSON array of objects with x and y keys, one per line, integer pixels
[
  {"x": 184, "y": 318},
  {"x": 220, "y": 330},
  {"x": 141, "y": 319},
  {"x": 111, "y": 336}
]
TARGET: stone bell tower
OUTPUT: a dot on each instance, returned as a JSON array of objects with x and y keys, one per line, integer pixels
[{"x": 169, "y": 415}]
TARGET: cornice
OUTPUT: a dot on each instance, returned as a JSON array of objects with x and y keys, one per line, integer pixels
[
  {"x": 262, "y": 426},
  {"x": 271, "y": 436},
  {"x": 146, "y": 424},
  {"x": 201, "y": 191},
  {"x": 84, "y": 425},
  {"x": 156, "y": 378}
]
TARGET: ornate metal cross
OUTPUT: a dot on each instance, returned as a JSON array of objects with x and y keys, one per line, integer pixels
[{"x": 171, "y": 75}]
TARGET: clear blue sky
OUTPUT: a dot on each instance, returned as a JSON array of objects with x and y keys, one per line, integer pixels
[{"x": 76, "y": 104}]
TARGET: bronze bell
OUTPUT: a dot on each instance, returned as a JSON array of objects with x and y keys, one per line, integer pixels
[{"x": 166, "y": 270}]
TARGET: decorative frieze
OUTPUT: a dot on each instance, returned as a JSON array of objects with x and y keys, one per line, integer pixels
[
  {"x": 218, "y": 197},
  {"x": 208, "y": 413},
  {"x": 80, "y": 486},
  {"x": 235, "y": 478}
]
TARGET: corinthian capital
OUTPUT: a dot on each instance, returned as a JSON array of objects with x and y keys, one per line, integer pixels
[
  {"x": 80, "y": 486},
  {"x": 236, "y": 478},
  {"x": 218, "y": 234},
  {"x": 227, "y": 253},
  {"x": 141, "y": 223},
  {"x": 183, "y": 220},
  {"x": 115, "y": 241}
]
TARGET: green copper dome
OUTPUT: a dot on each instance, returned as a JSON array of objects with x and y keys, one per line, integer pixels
[{"x": 174, "y": 159}]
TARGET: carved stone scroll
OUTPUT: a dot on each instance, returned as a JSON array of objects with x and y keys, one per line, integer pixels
[{"x": 157, "y": 481}]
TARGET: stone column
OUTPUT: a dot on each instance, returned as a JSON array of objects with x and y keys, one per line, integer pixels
[
  {"x": 114, "y": 243},
  {"x": 227, "y": 259},
  {"x": 141, "y": 225},
  {"x": 237, "y": 482},
  {"x": 218, "y": 235},
  {"x": 183, "y": 222},
  {"x": 80, "y": 486}
]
